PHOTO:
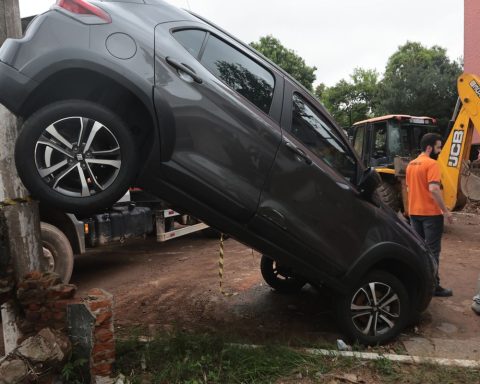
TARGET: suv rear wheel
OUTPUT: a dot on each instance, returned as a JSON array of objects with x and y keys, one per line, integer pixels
[
  {"x": 76, "y": 155},
  {"x": 279, "y": 277},
  {"x": 375, "y": 310}
]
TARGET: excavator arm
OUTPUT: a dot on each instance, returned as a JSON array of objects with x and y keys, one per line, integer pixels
[{"x": 457, "y": 181}]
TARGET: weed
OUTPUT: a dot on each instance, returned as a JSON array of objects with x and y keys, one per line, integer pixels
[
  {"x": 186, "y": 358},
  {"x": 72, "y": 371},
  {"x": 384, "y": 366}
]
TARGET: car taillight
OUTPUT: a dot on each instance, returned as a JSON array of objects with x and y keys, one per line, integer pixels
[{"x": 83, "y": 7}]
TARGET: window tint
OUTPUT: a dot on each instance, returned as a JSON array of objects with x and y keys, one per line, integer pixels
[
  {"x": 311, "y": 129},
  {"x": 191, "y": 39},
  {"x": 239, "y": 72}
]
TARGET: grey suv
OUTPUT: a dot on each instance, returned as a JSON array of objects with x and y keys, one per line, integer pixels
[{"x": 137, "y": 92}]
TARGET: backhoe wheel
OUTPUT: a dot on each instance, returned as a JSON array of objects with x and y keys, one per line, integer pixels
[
  {"x": 389, "y": 195},
  {"x": 375, "y": 310},
  {"x": 57, "y": 250},
  {"x": 279, "y": 277}
]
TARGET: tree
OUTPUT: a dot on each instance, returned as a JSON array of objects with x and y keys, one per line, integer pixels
[
  {"x": 286, "y": 59},
  {"x": 419, "y": 81},
  {"x": 351, "y": 101}
]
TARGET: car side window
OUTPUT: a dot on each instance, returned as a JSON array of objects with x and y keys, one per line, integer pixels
[
  {"x": 312, "y": 129},
  {"x": 239, "y": 72},
  {"x": 191, "y": 39}
]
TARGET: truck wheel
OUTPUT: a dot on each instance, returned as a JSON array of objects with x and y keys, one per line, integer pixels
[
  {"x": 57, "y": 250},
  {"x": 389, "y": 195},
  {"x": 375, "y": 310},
  {"x": 280, "y": 278},
  {"x": 76, "y": 156}
]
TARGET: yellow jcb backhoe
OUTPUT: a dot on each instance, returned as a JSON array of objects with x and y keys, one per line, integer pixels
[{"x": 388, "y": 143}]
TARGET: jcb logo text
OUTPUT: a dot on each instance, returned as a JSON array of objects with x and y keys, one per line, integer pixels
[{"x": 456, "y": 148}]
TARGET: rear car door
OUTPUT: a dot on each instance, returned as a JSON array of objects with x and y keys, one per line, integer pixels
[
  {"x": 311, "y": 192},
  {"x": 218, "y": 106}
]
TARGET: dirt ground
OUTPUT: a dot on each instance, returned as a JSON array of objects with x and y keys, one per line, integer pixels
[{"x": 175, "y": 285}]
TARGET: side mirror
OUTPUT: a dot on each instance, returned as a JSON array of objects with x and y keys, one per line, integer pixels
[{"x": 369, "y": 182}]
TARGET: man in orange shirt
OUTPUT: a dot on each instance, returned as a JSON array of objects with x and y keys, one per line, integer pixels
[{"x": 426, "y": 207}]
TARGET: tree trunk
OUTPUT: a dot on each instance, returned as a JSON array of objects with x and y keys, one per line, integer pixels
[{"x": 22, "y": 219}]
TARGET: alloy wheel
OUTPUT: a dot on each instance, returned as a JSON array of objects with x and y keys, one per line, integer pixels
[
  {"x": 375, "y": 309},
  {"x": 78, "y": 156}
]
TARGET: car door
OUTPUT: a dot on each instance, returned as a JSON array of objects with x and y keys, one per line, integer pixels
[
  {"x": 311, "y": 192},
  {"x": 219, "y": 107}
]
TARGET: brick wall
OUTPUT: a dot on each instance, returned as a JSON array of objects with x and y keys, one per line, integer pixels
[
  {"x": 100, "y": 303},
  {"x": 45, "y": 300}
]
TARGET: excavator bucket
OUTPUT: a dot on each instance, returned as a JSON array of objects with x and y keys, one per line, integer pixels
[{"x": 470, "y": 183}]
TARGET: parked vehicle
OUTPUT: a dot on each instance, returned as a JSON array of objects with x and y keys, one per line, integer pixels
[
  {"x": 379, "y": 140},
  {"x": 141, "y": 93}
]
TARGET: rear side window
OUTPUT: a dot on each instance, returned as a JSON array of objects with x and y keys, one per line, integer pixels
[
  {"x": 234, "y": 68},
  {"x": 191, "y": 39}
]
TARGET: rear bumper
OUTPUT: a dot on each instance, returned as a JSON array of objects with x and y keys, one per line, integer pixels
[{"x": 14, "y": 88}]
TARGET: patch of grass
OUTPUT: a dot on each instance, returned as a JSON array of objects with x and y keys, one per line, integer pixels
[
  {"x": 384, "y": 366},
  {"x": 185, "y": 358}
]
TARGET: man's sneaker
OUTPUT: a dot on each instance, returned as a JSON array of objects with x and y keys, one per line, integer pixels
[
  {"x": 476, "y": 304},
  {"x": 442, "y": 292}
]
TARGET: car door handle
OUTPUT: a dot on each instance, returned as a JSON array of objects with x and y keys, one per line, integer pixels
[
  {"x": 298, "y": 151},
  {"x": 184, "y": 68}
]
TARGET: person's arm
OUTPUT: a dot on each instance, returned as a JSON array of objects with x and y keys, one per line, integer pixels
[{"x": 436, "y": 192}]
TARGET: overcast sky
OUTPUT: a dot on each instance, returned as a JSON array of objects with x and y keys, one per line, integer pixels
[{"x": 333, "y": 35}]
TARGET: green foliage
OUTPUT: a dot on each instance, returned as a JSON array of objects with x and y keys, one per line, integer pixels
[
  {"x": 193, "y": 359},
  {"x": 384, "y": 366},
  {"x": 351, "y": 101},
  {"x": 286, "y": 59},
  {"x": 72, "y": 371},
  {"x": 199, "y": 359},
  {"x": 419, "y": 81}
]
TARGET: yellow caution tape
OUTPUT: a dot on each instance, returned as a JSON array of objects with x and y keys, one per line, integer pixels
[{"x": 220, "y": 269}]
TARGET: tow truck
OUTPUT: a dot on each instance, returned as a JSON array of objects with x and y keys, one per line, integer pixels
[{"x": 137, "y": 215}]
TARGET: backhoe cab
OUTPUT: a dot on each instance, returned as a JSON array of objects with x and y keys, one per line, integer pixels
[{"x": 380, "y": 140}]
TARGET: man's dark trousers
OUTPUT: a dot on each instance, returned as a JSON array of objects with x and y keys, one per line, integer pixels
[{"x": 430, "y": 228}]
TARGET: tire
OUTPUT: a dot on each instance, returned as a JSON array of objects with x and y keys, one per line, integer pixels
[
  {"x": 359, "y": 323},
  {"x": 280, "y": 278},
  {"x": 59, "y": 251},
  {"x": 389, "y": 195},
  {"x": 73, "y": 174}
]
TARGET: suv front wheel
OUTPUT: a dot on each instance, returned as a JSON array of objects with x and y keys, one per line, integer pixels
[
  {"x": 76, "y": 155},
  {"x": 375, "y": 310}
]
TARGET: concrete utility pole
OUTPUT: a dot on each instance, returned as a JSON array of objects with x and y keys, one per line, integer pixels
[{"x": 21, "y": 220}]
